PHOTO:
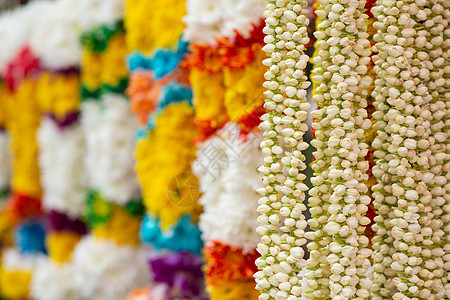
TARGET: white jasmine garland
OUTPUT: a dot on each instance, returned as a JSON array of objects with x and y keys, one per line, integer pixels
[
  {"x": 4, "y": 161},
  {"x": 383, "y": 286},
  {"x": 282, "y": 222},
  {"x": 109, "y": 129},
  {"x": 227, "y": 170},
  {"x": 102, "y": 269},
  {"x": 431, "y": 141},
  {"x": 61, "y": 152},
  {"x": 405, "y": 152},
  {"x": 439, "y": 81},
  {"x": 341, "y": 121},
  {"x": 318, "y": 267},
  {"x": 53, "y": 281}
]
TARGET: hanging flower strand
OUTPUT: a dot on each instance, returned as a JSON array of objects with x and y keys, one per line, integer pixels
[
  {"x": 384, "y": 201},
  {"x": 426, "y": 280},
  {"x": 284, "y": 124},
  {"x": 318, "y": 268},
  {"x": 444, "y": 95},
  {"x": 345, "y": 55},
  {"x": 436, "y": 51},
  {"x": 402, "y": 196}
]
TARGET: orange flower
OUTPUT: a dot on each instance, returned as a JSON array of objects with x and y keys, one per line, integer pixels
[
  {"x": 226, "y": 263},
  {"x": 226, "y": 53},
  {"x": 141, "y": 294},
  {"x": 144, "y": 93}
]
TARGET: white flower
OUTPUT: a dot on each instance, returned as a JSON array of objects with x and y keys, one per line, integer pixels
[
  {"x": 283, "y": 178},
  {"x": 208, "y": 20},
  {"x": 92, "y": 13},
  {"x": 53, "y": 28},
  {"x": 104, "y": 270},
  {"x": 16, "y": 28},
  {"x": 56, "y": 38},
  {"x": 61, "y": 152},
  {"x": 228, "y": 175},
  {"x": 12, "y": 259},
  {"x": 109, "y": 129},
  {"x": 52, "y": 281}
]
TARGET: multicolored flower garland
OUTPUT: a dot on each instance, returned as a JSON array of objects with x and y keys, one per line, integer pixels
[
  {"x": 199, "y": 95},
  {"x": 161, "y": 97}
]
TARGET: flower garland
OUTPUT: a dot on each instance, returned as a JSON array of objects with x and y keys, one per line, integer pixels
[
  {"x": 341, "y": 149},
  {"x": 227, "y": 168},
  {"x": 113, "y": 208},
  {"x": 226, "y": 165},
  {"x": 319, "y": 269},
  {"x": 172, "y": 128},
  {"x": 229, "y": 272},
  {"x": 161, "y": 97},
  {"x": 406, "y": 155},
  {"x": 281, "y": 254},
  {"x": 23, "y": 205},
  {"x": 43, "y": 78}
]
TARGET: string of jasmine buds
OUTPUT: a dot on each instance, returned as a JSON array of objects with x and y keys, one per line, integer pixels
[
  {"x": 444, "y": 95},
  {"x": 345, "y": 75},
  {"x": 404, "y": 154},
  {"x": 317, "y": 265},
  {"x": 411, "y": 127},
  {"x": 439, "y": 85},
  {"x": 429, "y": 59},
  {"x": 384, "y": 201},
  {"x": 284, "y": 126}
]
